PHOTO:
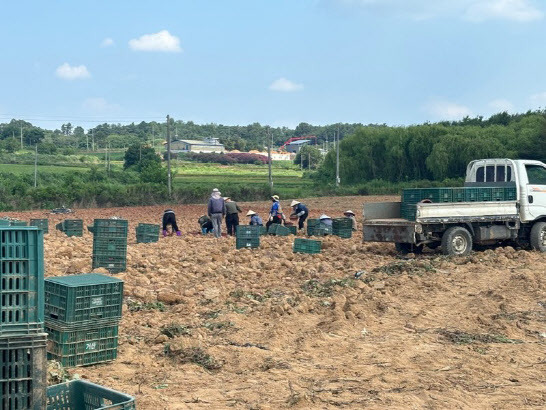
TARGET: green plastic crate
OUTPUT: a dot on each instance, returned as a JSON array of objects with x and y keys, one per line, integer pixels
[
  {"x": 71, "y": 227},
  {"x": 247, "y": 231},
  {"x": 21, "y": 280},
  {"x": 343, "y": 232},
  {"x": 412, "y": 195},
  {"x": 81, "y": 298},
  {"x": 247, "y": 242},
  {"x": 77, "y": 345},
  {"x": 18, "y": 223},
  {"x": 302, "y": 245},
  {"x": 110, "y": 228},
  {"x": 147, "y": 237},
  {"x": 510, "y": 194},
  {"x": 263, "y": 230},
  {"x": 293, "y": 229},
  {"x": 148, "y": 228},
  {"x": 83, "y": 395},
  {"x": 114, "y": 264},
  {"x": 23, "y": 372},
  {"x": 342, "y": 223},
  {"x": 4, "y": 222},
  {"x": 458, "y": 194},
  {"x": 42, "y": 224},
  {"x": 110, "y": 246}
]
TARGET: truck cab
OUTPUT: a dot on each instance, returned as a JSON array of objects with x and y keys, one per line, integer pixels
[{"x": 502, "y": 200}]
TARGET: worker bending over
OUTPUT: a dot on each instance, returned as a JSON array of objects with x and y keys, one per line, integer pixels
[
  {"x": 169, "y": 218},
  {"x": 301, "y": 211}
]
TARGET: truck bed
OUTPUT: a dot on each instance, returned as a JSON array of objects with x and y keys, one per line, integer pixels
[{"x": 466, "y": 211}]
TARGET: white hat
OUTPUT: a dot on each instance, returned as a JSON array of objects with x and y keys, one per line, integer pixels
[
  {"x": 250, "y": 213},
  {"x": 294, "y": 203},
  {"x": 215, "y": 190},
  {"x": 349, "y": 212},
  {"x": 324, "y": 216},
  {"x": 275, "y": 198}
]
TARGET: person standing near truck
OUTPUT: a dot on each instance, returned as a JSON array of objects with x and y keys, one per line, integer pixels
[
  {"x": 216, "y": 210},
  {"x": 275, "y": 214},
  {"x": 351, "y": 215},
  {"x": 301, "y": 211},
  {"x": 232, "y": 215}
]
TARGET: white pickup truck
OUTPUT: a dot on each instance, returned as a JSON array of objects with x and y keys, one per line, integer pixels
[{"x": 457, "y": 226}]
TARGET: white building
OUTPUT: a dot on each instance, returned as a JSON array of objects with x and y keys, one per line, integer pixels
[{"x": 206, "y": 145}]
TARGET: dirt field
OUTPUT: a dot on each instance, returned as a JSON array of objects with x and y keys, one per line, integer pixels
[{"x": 209, "y": 326}]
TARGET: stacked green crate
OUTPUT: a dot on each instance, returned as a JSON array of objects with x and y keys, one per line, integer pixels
[
  {"x": 311, "y": 225},
  {"x": 42, "y": 224},
  {"x": 293, "y": 229},
  {"x": 81, "y": 394},
  {"x": 279, "y": 230},
  {"x": 82, "y": 314},
  {"x": 247, "y": 236},
  {"x": 316, "y": 228},
  {"x": 147, "y": 233},
  {"x": 342, "y": 227},
  {"x": 71, "y": 227},
  {"x": 22, "y": 338},
  {"x": 110, "y": 244},
  {"x": 302, "y": 245},
  {"x": 18, "y": 223}
]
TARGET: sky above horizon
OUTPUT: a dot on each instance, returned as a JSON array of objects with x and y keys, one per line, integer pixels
[{"x": 283, "y": 62}]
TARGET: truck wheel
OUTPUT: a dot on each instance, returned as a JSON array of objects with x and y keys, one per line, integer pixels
[
  {"x": 405, "y": 248},
  {"x": 538, "y": 236},
  {"x": 456, "y": 241}
]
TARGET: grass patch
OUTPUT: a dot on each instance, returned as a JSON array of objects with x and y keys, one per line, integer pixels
[
  {"x": 415, "y": 267},
  {"x": 195, "y": 355},
  {"x": 217, "y": 326},
  {"x": 175, "y": 329},
  {"x": 316, "y": 288},
  {"x": 462, "y": 338}
]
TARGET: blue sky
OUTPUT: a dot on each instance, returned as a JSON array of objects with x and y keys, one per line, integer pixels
[{"x": 278, "y": 62}]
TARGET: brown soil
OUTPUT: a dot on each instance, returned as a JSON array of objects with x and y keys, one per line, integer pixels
[{"x": 269, "y": 329}]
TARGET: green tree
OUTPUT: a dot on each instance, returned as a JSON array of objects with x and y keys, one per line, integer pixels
[
  {"x": 138, "y": 155},
  {"x": 308, "y": 153}
]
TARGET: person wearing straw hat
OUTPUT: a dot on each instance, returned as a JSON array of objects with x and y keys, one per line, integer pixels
[
  {"x": 326, "y": 220},
  {"x": 232, "y": 215},
  {"x": 254, "y": 218},
  {"x": 216, "y": 210},
  {"x": 351, "y": 215},
  {"x": 300, "y": 211},
  {"x": 275, "y": 214}
]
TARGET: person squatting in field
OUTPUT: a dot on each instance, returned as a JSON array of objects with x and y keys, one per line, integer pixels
[
  {"x": 254, "y": 218},
  {"x": 205, "y": 224},
  {"x": 232, "y": 215},
  {"x": 216, "y": 210},
  {"x": 300, "y": 211},
  {"x": 169, "y": 218},
  {"x": 275, "y": 214}
]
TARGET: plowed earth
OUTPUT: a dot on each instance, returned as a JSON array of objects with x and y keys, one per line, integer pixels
[{"x": 209, "y": 326}]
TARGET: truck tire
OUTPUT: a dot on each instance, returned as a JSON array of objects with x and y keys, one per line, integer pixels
[
  {"x": 538, "y": 237},
  {"x": 405, "y": 248},
  {"x": 456, "y": 241}
]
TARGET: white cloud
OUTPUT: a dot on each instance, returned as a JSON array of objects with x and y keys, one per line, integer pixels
[
  {"x": 107, "y": 42},
  {"x": 538, "y": 99},
  {"x": 284, "y": 85},
  {"x": 470, "y": 10},
  {"x": 501, "y": 105},
  {"x": 99, "y": 105},
  {"x": 161, "y": 41},
  {"x": 68, "y": 72},
  {"x": 516, "y": 10},
  {"x": 446, "y": 110}
]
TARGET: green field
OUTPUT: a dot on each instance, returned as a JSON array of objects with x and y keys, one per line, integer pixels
[{"x": 29, "y": 169}]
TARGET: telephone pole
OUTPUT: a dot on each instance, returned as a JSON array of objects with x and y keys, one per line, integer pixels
[
  {"x": 337, "y": 159},
  {"x": 169, "y": 159},
  {"x": 269, "y": 143},
  {"x": 36, "y": 167},
  {"x": 93, "y": 140},
  {"x": 21, "y": 136}
]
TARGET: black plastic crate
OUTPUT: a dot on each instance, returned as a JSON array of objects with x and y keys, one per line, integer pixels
[
  {"x": 82, "y": 298},
  {"x": 82, "y": 345},
  {"x": 23, "y": 372},
  {"x": 83, "y": 395},
  {"x": 21, "y": 280}
]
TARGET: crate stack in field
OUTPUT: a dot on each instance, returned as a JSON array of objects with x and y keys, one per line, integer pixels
[
  {"x": 82, "y": 314},
  {"x": 302, "y": 245},
  {"x": 342, "y": 227},
  {"x": 110, "y": 244},
  {"x": 147, "y": 233},
  {"x": 316, "y": 228},
  {"x": 412, "y": 196},
  {"x": 23, "y": 365},
  {"x": 247, "y": 236},
  {"x": 42, "y": 224},
  {"x": 81, "y": 394},
  {"x": 278, "y": 230},
  {"x": 71, "y": 227}
]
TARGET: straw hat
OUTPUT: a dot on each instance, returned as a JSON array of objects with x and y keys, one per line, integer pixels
[
  {"x": 227, "y": 198},
  {"x": 324, "y": 216},
  {"x": 275, "y": 197},
  {"x": 250, "y": 213},
  {"x": 215, "y": 190},
  {"x": 349, "y": 212},
  {"x": 294, "y": 203}
]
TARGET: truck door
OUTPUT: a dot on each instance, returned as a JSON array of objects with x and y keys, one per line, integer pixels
[{"x": 536, "y": 190}]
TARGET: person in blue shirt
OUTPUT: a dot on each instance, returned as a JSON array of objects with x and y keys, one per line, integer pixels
[
  {"x": 301, "y": 211},
  {"x": 275, "y": 214},
  {"x": 254, "y": 218}
]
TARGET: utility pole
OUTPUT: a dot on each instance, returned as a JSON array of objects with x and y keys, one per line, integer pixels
[
  {"x": 153, "y": 137},
  {"x": 109, "y": 149},
  {"x": 36, "y": 167},
  {"x": 169, "y": 159},
  {"x": 269, "y": 143},
  {"x": 21, "y": 136},
  {"x": 337, "y": 159},
  {"x": 93, "y": 139},
  {"x": 309, "y": 160},
  {"x": 106, "y": 157},
  {"x": 87, "y": 140}
]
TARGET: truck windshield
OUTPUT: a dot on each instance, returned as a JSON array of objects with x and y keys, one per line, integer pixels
[{"x": 536, "y": 174}]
